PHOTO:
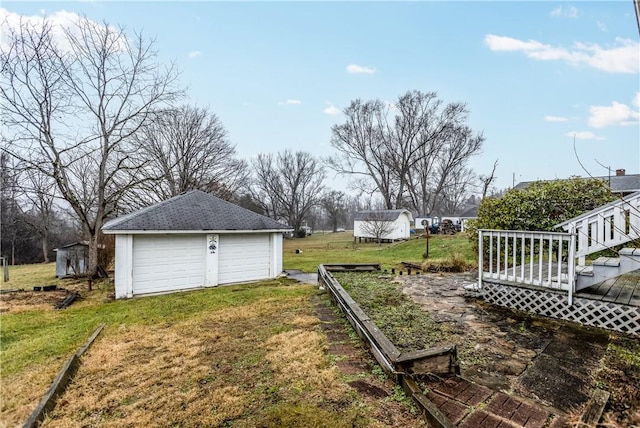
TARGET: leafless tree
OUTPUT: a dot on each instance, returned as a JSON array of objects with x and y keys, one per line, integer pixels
[
  {"x": 448, "y": 179},
  {"x": 409, "y": 149},
  {"x": 363, "y": 147},
  {"x": 334, "y": 204},
  {"x": 184, "y": 149},
  {"x": 11, "y": 224},
  {"x": 486, "y": 180},
  {"x": 287, "y": 185},
  {"x": 70, "y": 110},
  {"x": 38, "y": 190},
  {"x": 377, "y": 225}
]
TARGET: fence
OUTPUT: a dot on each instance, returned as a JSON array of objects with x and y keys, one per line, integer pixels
[{"x": 543, "y": 259}]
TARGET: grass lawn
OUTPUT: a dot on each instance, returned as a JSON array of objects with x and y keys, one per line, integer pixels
[
  {"x": 245, "y": 355},
  {"x": 340, "y": 248}
]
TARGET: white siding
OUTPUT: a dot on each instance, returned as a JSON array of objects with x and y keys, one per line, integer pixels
[
  {"x": 401, "y": 229},
  {"x": 244, "y": 257},
  {"x": 163, "y": 263}
]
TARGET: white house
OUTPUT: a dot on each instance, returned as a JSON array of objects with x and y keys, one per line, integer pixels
[
  {"x": 383, "y": 224},
  {"x": 193, "y": 240}
]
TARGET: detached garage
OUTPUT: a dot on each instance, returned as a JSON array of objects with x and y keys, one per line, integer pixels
[{"x": 193, "y": 240}]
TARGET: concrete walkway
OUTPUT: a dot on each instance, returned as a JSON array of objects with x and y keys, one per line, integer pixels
[
  {"x": 303, "y": 277},
  {"x": 548, "y": 364}
]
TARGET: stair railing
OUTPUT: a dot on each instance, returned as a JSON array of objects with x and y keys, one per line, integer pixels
[
  {"x": 605, "y": 227},
  {"x": 543, "y": 259}
]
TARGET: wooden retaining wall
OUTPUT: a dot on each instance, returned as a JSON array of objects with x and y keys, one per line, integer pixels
[
  {"x": 402, "y": 367},
  {"x": 59, "y": 384}
]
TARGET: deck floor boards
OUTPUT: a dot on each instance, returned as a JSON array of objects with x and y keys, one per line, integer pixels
[{"x": 624, "y": 290}]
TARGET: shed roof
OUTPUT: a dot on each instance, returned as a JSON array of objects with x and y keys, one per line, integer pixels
[
  {"x": 381, "y": 215},
  {"x": 193, "y": 211}
]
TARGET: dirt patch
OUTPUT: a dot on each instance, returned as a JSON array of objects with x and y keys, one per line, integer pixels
[
  {"x": 368, "y": 389},
  {"x": 553, "y": 362},
  {"x": 19, "y": 301}
]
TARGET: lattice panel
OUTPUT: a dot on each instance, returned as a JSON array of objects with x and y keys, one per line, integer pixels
[{"x": 608, "y": 315}]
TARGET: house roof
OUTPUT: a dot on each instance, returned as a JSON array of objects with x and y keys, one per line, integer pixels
[
  {"x": 619, "y": 183},
  {"x": 589, "y": 213},
  {"x": 380, "y": 215},
  {"x": 470, "y": 213},
  {"x": 73, "y": 244},
  {"x": 193, "y": 211}
]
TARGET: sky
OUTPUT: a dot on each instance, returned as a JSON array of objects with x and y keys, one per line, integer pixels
[{"x": 553, "y": 86}]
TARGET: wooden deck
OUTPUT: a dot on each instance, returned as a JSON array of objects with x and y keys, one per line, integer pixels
[
  {"x": 613, "y": 304},
  {"x": 624, "y": 290}
]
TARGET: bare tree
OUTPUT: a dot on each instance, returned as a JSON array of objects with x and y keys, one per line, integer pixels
[
  {"x": 39, "y": 193},
  {"x": 376, "y": 224},
  {"x": 363, "y": 148},
  {"x": 288, "y": 185},
  {"x": 11, "y": 224},
  {"x": 70, "y": 110},
  {"x": 184, "y": 149},
  {"x": 486, "y": 180},
  {"x": 410, "y": 149},
  {"x": 334, "y": 204}
]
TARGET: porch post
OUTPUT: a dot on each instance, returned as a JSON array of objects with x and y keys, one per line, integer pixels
[{"x": 480, "y": 261}]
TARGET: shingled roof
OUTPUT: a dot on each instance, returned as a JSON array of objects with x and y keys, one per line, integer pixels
[
  {"x": 619, "y": 183},
  {"x": 380, "y": 215},
  {"x": 193, "y": 211}
]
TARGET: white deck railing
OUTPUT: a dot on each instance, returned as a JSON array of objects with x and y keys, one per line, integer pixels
[
  {"x": 613, "y": 224},
  {"x": 544, "y": 259}
]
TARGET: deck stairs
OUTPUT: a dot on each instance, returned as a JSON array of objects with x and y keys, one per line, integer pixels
[{"x": 606, "y": 227}]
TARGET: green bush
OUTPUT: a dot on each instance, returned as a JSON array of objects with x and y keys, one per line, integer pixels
[{"x": 540, "y": 206}]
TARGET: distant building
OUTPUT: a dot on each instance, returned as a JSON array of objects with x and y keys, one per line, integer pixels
[
  {"x": 390, "y": 225},
  {"x": 621, "y": 183},
  {"x": 72, "y": 260}
]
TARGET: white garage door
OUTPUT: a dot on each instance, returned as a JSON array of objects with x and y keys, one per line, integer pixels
[
  {"x": 243, "y": 258},
  {"x": 168, "y": 262}
]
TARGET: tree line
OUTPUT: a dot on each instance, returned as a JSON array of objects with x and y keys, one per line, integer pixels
[{"x": 95, "y": 126}]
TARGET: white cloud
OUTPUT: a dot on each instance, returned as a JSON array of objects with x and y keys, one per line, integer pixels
[
  {"x": 622, "y": 57},
  {"x": 636, "y": 100},
  {"x": 555, "y": 119},
  {"x": 568, "y": 12},
  {"x": 583, "y": 135},
  {"x": 359, "y": 69},
  {"x": 602, "y": 26},
  {"x": 290, "y": 102},
  {"x": 615, "y": 114},
  {"x": 331, "y": 109},
  {"x": 194, "y": 54},
  {"x": 59, "y": 20}
]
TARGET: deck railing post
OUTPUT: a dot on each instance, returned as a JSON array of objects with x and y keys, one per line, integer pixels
[
  {"x": 480, "y": 259},
  {"x": 571, "y": 264}
]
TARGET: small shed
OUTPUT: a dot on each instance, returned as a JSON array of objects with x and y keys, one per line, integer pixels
[
  {"x": 193, "y": 240},
  {"x": 72, "y": 259},
  {"x": 388, "y": 225}
]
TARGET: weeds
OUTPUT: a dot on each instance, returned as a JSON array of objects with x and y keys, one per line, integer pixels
[{"x": 406, "y": 325}]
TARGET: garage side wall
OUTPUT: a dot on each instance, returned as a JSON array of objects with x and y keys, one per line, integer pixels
[
  {"x": 124, "y": 266},
  {"x": 276, "y": 254}
]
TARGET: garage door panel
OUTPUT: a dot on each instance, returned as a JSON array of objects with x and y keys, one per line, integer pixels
[
  {"x": 243, "y": 257},
  {"x": 167, "y": 263}
]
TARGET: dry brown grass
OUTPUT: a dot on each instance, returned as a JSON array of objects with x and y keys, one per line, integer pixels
[
  {"x": 19, "y": 394},
  {"x": 262, "y": 364}
]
